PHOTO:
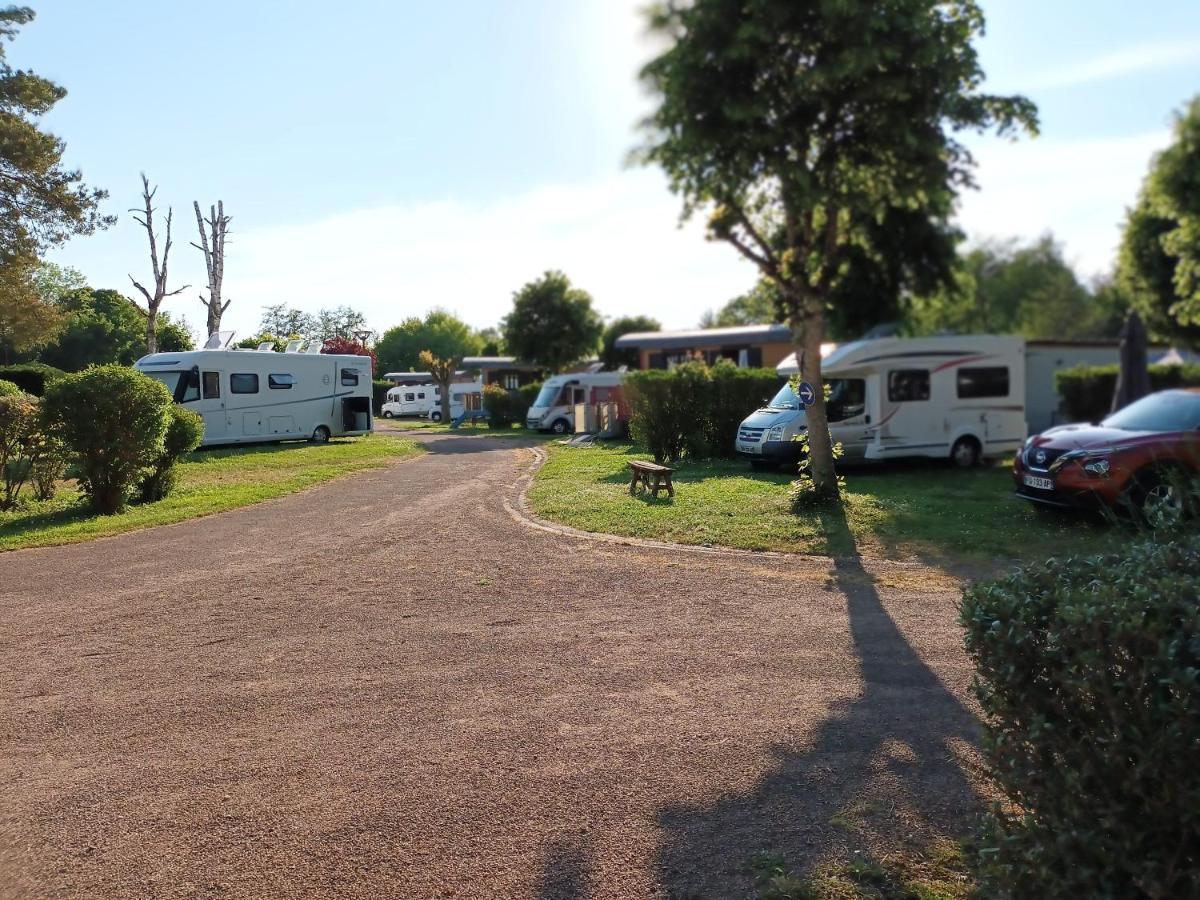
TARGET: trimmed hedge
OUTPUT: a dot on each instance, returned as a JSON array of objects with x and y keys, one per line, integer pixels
[
  {"x": 379, "y": 389},
  {"x": 1087, "y": 391},
  {"x": 1089, "y": 677},
  {"x": 31, "y": 377},
  {"x": 185, "y": 430},
  {"x": 694, "y": 410}
]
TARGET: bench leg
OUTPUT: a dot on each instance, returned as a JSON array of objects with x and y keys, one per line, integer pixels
[
  {"x": 633, "y": 484},
  {"x": 670, "y": 487}
]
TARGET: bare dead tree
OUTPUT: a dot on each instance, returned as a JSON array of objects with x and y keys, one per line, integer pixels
[
  {"x": 144, "y": 216},
  {"x": 213, "y": 231}
]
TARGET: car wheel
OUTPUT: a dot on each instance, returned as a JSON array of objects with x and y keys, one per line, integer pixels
[
  {"x": 560, "y": 426},
  {"x": 320, "y": 435},
  {"x": 1158, "y": 501},
  {"x": 965, "y": 453}
]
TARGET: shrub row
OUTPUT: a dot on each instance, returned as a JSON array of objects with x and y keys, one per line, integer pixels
[
  {"x": 1089, "y": 677},
  {"x": 1087, "y": 391},
  {"x": 31, "y": 378},
  {"x": 694, "y": 410},
  {"x": 379, "y": 389},
  {"x": 28, "y": 454},
  {"x": 505, "y": 407}
]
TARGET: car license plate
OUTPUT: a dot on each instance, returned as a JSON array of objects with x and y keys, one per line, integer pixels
[
  {"x": 748, "y": 448},
  {"x": 1042, "y": 484}
]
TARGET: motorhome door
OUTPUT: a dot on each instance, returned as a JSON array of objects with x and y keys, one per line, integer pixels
[{"x": 212, "y": 403}]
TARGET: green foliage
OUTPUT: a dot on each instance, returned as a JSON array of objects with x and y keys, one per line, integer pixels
[
  {"x": 1004, "y": 287},
  {"x": 552, "y": 323},
  {"x": 282, "y": 323},
  {"x": 379, "y": 389},
  {"x": 18, "y": 420},
  {"x": 693, "y": 410},
  {"x": 26, "y": 320},
  {"x": 609, "y": 354},
  {"x": 42, "y": 203},
  {"x": 1089, "y": 678},
  {"x": 8, "y": 389},
  {"x": 32, "y": 378},
  {"x": 1087, "y": 391},
  {"x": 442, "y": 371},
  {"x": 761, "y": 305},
  {"x": 185, "y": 430},
  {"x": 442, "y": 334},
  {"x": 112, "y": 421},
  {"x": 104, "y": 326},
  {"x": 803, "y": 492},
  {"x": 504, "y": 407}
]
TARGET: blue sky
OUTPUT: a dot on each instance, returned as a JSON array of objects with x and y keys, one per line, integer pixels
[{"x": 397, "y": 156}]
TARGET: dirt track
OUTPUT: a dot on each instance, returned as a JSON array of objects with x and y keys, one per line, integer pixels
[{"x": 386, "y": 686}]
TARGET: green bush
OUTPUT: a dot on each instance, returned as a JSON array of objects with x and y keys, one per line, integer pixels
[
  {"x": 32, "y": 377},
  {"x": 503, "y": 406},
  {"x": 8, "y": 389},
  {"x": 18, "y": 419},
  {"x": 1089, "y": 678},
  {"x": 185, "y": 430},
  {"x": 112, "y": 421},
  {"x": 379, "y": 389},
  {"x": 1087, "y": 391},
  {"x": 694, "y": 410}
]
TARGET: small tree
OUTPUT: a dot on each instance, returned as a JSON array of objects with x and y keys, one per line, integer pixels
[
  {"x": 27, "y": 320},
  {"x": 145, "y": 217},
  {"x": 185, "y": 430},
  {"x": 552, "y": 323},
  {"x": 18, "y": 415},
  {"x": 609, "y": 354},
  {"x": 442, "y": 372},
  {"x": 112, "y": 421},
  {"x": 213, "y": 232},
  {"x": 440, "y": 332},
  {"x": 348, "y": 347},
  {"x": 820, "y": 137}
]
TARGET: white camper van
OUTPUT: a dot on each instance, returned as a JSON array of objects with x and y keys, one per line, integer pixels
[
  {"x": 465, "y": 396},
  {"x": 410, "y": 400},
  {"x": 960, "y": 398},
  {"x": 554, "y": 408},
  {"x": 250, "y": 396}
]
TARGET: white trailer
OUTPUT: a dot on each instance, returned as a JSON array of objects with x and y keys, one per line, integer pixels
[
  {"x": 410, "y": 400},
  {"x": 554, "y": 408},
  {"x": 252, "y": 396},
  {"x": 960, "y": 398}
]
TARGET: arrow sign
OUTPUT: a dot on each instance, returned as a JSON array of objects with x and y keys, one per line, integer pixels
[{"x": 806, "y": 394}]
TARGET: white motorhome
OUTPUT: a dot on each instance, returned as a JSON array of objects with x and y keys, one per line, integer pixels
[
  {"x": 959, "y": 398},
  {"x": 410, "y": 400},
  {"x": 251, "y": 396},
  {"x": 554, "y": 408},
  {"x": 465, "y": 396}
]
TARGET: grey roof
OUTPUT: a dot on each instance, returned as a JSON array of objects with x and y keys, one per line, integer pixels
[
  {"x": 496, "y": 362},
  {"x": 705, "y": 337}
]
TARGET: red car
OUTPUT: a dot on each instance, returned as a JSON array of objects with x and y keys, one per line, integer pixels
[{"x": 1141, "y": 458}]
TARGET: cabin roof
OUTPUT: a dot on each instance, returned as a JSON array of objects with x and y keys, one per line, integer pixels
[{"x": 679, "y": 340}]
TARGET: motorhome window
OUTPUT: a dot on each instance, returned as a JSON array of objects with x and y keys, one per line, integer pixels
[
  {"x": 907, "y": 385},
  {"x": 349, "y": 377},
  {"x": 243, "y": 383},
  {"x": 189, "y": 388},
  {"x": 280, "y": 382},
  {"x": 212, "y": 385},
  {"x": 990, "y": 381},
  {"x": 847, "y": 399},
  {"x": 409, "y": 398},
  {"x": 420, "y": 396},
  {"x": 456, "y": 398}
]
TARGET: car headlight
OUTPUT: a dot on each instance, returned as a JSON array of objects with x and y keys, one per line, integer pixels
[
  {"x": 775, "y": 433},
  {"x": 1098, "y": 467}
]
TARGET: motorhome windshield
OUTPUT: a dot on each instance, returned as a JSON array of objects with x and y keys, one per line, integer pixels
[
  {"x": 184, "y": 386},
  {"x": 546, "y": 396}
]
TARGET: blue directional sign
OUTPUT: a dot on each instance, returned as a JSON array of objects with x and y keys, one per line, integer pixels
[{"x": 806, "y": 393}]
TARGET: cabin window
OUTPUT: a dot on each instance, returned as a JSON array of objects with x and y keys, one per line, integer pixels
[
  {"x": 349, "y": 377},
  {"x": 280, "y": 382},
  {"x": 212, "y": 385},
  {"x": 979, "y": 382},
  {"x": 847, "y": 399},
  {"x": 512, "y": 381},
  {"x": 908, "y": 385},
  {"x": 243, "y": 383},
  {"x": 409, "y": 398}
]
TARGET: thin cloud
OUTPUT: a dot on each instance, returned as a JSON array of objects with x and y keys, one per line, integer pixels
[{"x": 1141, "y": 58}]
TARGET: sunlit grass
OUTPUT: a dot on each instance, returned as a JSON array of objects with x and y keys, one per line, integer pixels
[{"x": 211, "y": 481}]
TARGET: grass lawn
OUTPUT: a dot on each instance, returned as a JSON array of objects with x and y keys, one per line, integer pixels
[
  {"x": 468, "y": 429},
  {"x": 923, "y": 509},
  {"x": 212, "y": 481}
]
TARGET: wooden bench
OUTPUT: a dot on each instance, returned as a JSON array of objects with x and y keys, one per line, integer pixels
[{"x": 653, "y": 477}]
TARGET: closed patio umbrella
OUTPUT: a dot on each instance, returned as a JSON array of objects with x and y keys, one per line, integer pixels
[{"x": 1133, "y": 380}]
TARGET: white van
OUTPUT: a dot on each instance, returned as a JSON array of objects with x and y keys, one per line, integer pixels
[
  {"x": 465, "y": 397},
  {"x": 410, "y": 400},
  {"x": 252, "y": 396},
  {"x": 554, "y": 408},
  {"x": 959, "y": 398}
]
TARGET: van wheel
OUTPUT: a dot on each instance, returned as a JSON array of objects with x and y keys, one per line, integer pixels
[
  {"x": 387, "y": 414},
  {"x": 435, "y": 416},
  {"x": 320, "y": 435},
  {"x": 560, "y": 426},
  {"x": 965, "y": 453}
]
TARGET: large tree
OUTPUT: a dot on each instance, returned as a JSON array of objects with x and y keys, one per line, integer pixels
[
  {"x": 1160, "y": 249},
  {"x": 821, "y": 139},
  {"x": 104, "y": 326},
  {"x": 144, "y": 216},
  {"x": 444, "y": 335},
  {"x": 552, "y": 323},
  {"x": 610, "y": 355},
  {"x": 27, "y": 321}
]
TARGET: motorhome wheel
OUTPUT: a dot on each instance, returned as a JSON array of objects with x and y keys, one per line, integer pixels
[
  {"x": 560, "y": 426},
  {"x": 387, "y": 413},
  {"x": 320, "y": 435},
  {"x": 435, "y": 416},
  {"x": 965, "y": 453}
]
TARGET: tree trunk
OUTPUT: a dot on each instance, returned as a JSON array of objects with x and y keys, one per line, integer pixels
[
  {"x": 151, "y": 331},
  {"x": 808, "y": 331},
  {"x": 446, "y": 400}
]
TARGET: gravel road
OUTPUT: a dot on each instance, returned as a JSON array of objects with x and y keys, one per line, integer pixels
[{"x": 388, "y": 686}]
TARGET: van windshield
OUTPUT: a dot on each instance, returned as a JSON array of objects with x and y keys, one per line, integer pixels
[
  {"x": 847, "y": 398},
  {"x": 546, "y": 395}
]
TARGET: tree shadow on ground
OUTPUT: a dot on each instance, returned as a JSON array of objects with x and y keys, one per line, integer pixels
[
  {"x": 882, "y": 773},
  {"x": 565, "y": 874}
]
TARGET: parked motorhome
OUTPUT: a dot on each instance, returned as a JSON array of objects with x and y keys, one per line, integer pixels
[
  {"x": 960, "y": 398},
  {"x": 465, "y": 396},
  {"x": 554, "y": 408},
  {"x": 410, "y": 400},
  {"x": 249, "y": 396}
]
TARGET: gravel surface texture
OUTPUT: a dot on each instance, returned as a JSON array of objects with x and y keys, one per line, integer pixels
[{"x": 388, "y": 686}]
